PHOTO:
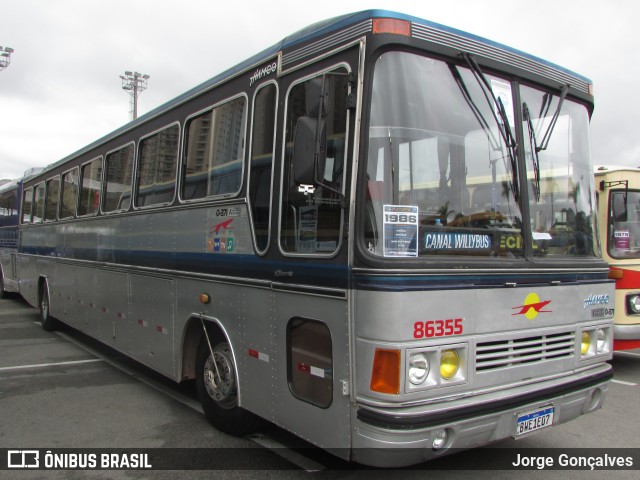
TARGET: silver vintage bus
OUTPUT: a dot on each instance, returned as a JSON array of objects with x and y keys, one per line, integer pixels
[{"x": 378, "y": 234}]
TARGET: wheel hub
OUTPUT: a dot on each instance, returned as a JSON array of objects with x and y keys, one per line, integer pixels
[{"x": 219, "y": 379}]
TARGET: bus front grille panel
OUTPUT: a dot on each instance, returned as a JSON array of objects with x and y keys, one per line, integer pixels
[{"x": 495, "y": 355}]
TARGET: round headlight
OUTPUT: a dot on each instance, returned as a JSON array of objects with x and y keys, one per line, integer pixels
[
  {"x": 585, "y": 345},
  {"x": 449, "y": 364},
  {"x": 633, "y": 301},
  {"x": 418, "y": 368},
  {"x": 601, "y": 340}
]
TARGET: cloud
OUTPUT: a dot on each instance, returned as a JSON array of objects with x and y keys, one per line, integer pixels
[{"x": 62, "y": 89}]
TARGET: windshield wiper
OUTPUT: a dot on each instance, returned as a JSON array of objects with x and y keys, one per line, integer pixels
[
  {"x": 533, "y": 142},
  {"x": 547, "y": 135},
  {"x": 535, "y": 148},
  {"x": 503, "y": 123}
]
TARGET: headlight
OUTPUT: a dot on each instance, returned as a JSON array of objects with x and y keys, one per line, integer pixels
[
  {"x": 449, "y": 364},
  {"x": 633, "y": 304},
  {"x": 585, "y": 345},
  {"x": 601, "y": 342},
  {"x": 418, "y": 368}
]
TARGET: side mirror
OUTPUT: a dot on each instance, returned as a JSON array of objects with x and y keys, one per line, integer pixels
[{"x": 309, "y": 150}]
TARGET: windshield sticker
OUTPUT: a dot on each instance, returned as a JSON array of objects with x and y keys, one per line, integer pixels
[
  {"x": 400, "y": 233},
  {"x": 502, "y": 91},
  {"x": 541, "y": 236},
  {"x": 622, "y": 240},
  {"x": 456, "y": 241}
]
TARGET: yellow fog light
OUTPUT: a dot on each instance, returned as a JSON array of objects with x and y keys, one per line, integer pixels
[
  {"x": 449, "y": 364},
  {"x": 585, "y": 345}
]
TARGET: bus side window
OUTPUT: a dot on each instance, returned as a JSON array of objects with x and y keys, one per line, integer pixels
[
  {"x": 69, "y": 194},
  {"x": 310, "y": 361},
  {"x": 51, "y": 208},
  {"x": 38, "y": 213},
  {"x": 27, "y": 205},
  {"x": 311, "y": 217},
  {"x": 213, "y": 151},
  {"x": 157, "y": 164},
  {"x": 91, "y": 176},
  {"x": 264, "y": 117},
  {"x": 118, "y": 175}
]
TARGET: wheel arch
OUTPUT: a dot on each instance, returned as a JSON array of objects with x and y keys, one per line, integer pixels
[{"x": 193, "y": 334}]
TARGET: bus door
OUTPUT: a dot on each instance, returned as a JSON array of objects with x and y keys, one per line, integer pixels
[{"x": 310, "y": 287}]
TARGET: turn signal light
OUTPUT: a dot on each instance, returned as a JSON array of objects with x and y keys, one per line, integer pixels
[
  {"x": 385, "y": 374},
  {"x": 616, "y": 273}
]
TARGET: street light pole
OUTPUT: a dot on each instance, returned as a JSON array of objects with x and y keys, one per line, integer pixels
[
  {"x": 135, "y": 83},
  {"x": 5, "y": 57}
]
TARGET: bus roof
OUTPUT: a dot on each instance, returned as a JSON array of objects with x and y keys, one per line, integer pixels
[
  {"x": 319, "y": 30},
  {"x": 602, "y": 169}
]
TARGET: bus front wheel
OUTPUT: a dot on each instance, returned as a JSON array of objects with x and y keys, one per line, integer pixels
[{"x": 218, "y": 389}]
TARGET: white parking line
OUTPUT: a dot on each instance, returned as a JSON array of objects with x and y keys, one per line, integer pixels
[
  {"x": 44, "y": 365},
  {"x": 631, "y": 354},
  {"x": 622, "y": 382}
]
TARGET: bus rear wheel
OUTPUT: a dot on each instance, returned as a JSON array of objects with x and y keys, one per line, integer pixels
[
  {"x": 47, "y": 321},
  {"x": 218, "y": 389}
]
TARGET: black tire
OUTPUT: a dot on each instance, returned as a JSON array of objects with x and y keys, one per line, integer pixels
[
  {"x": 3, "y": 292},
  {"x": 218, "y": 391},
  {"x": 47, "y": 321}
]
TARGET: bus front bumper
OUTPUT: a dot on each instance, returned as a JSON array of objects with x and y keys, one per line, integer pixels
[{"x": 388, "y": 439}]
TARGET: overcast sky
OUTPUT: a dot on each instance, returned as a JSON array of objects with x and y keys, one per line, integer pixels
[{"x": 62, "y": 90}]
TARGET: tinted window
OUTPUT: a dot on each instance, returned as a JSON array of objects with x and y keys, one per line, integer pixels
[
  {"x": 157, "y": 167},
  {"x": 69, "y": 194},
  {"x": 51, "y": 210},
  {"x": 214, "y": 148},
  {"x": 118, "y": 174},
  {"x": 91, "y": 176}
]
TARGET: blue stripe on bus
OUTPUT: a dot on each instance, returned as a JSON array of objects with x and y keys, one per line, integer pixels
[{"x": 312, "y": 272}]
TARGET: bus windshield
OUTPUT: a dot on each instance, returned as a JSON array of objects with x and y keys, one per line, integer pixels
[
  {"x": 623, "y": 234},
  {"x": 442, "y": 177},
  {"x": 559, "y": 172}
]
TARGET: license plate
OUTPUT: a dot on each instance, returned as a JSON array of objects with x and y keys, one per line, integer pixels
[{"x": 532, "y": 421}]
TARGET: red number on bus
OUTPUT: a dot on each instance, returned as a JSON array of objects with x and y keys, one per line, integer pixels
[{"x": 438, "y": 328}]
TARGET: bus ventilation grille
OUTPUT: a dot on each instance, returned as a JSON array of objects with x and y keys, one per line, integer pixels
[{"x": 530, "y": 350}]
